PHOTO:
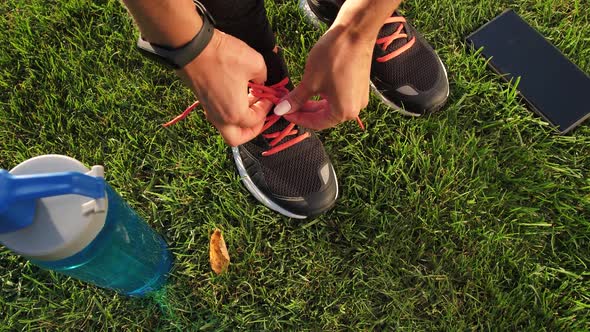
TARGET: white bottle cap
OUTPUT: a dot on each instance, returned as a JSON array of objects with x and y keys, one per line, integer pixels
[{"x": 63, "y": 225}]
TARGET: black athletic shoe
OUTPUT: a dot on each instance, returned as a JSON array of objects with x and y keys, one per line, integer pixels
[
  {"x": 406, "y": 73},
  {"x": 291, "y": 175},
  {"x": 286, "y": 167}
]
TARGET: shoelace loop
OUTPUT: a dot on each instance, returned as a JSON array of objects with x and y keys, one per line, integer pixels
[
  {"x": 384, "y": 42},
  {"x": 274, "y": 94}
]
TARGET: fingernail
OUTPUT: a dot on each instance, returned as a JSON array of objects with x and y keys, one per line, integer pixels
[{"x": 283, "y": 108}]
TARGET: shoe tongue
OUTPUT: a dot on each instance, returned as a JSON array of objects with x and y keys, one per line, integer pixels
[
  {"x": 388, "y": 30},
  {"x": 278, "y": 126},
  {"x": 276, "y": 68}
]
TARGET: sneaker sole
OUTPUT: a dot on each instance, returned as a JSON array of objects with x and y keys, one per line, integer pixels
[
  {"x": 260, "y": 196},
  {"x": 316, "y": 22}
]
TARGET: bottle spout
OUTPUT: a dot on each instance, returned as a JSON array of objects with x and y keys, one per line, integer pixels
[{"x": 19, "y": 194}]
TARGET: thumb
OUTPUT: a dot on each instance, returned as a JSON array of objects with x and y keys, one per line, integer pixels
[
  {"x": 294, "y": 100},
  {"x": 258, "y": 69}
]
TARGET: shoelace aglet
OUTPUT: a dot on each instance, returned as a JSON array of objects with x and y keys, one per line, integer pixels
[{"x": 358, "y": 120}]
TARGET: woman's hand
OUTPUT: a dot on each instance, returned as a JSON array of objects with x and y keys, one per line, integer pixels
[{"x": 219, "y": 77}]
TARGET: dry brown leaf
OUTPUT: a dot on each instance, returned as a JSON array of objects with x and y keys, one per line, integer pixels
[{"x": 218, "y": 255}]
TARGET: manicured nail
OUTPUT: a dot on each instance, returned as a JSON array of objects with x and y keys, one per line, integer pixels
[{"x": 283, "y": 108}]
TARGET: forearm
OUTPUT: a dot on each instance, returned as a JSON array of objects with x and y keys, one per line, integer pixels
[
  {"x": 170, "y": 23},
  {"x": 362, "y": 19}
]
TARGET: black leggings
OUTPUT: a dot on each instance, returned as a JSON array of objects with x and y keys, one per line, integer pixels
[{"x": 245, "y": 20}]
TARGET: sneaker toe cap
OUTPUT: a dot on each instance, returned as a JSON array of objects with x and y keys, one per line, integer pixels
[{"x": 314, "y": 203}]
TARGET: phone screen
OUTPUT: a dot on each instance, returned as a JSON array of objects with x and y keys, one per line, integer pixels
[{"x": 553, "y": 86}]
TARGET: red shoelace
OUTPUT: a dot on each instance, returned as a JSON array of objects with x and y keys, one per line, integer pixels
[
  {"x": 274, "y": 94},
  {"x": 384, "y": 42}
]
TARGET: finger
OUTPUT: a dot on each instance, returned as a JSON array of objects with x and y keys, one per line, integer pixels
[
  {"x": 242, "y": 112},
  {"x": 295, "y": 99},
  {"x": 261, "y": 108},
  {"x": 235, "y": 135},
  {"x": 343, "y": 108},
  {"x": 252, "y": 99},
  {"x": 258, "y": 67},
  {"x": 365, "y": 100},
  {"x": 317, "y": 120},
  {"x": 314, "y": 105},
  {"x": 254, "y": 115}
]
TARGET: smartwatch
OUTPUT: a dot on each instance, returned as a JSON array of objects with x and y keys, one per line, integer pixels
[{"x": 177, "y": 58}]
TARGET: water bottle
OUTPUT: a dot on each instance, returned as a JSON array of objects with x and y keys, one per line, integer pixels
[{"x": 66, "y": 218}]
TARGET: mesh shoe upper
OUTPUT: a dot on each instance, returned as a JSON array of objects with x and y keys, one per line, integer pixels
[
  {"x": 418, "y": 66},
  {"x": 300, "y": 178},
  {"x": 416, "y": 69},
  {"x": 293, "y": 172}
]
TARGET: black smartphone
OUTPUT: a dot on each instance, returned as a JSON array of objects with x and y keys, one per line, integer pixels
[{"x": 550, "y": 84}]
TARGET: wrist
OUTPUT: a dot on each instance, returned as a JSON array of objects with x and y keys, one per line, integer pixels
[
  {"x": 361, "y": 20},
  {"x": 167, "y": 23},
  {"x": 179, "y": 57},
  {"x": 197, "y": 68},
  {"x": 356, "y": 32},
  {"x": 354, "y": 35},
  {"x": 173, "y": 37}
]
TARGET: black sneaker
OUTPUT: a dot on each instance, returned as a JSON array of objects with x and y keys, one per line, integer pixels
[
  {"x": 286, "y": 167},
  {"x": 406, "y": 73}
]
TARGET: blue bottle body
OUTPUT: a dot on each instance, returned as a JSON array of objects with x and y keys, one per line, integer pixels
[{"x": 126, "y": 255}]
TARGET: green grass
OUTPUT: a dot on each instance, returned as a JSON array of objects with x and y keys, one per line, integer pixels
[{"x": 475, "y": 218}]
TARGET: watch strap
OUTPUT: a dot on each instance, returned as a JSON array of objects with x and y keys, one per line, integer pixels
[{"x": 180, "y": 57}]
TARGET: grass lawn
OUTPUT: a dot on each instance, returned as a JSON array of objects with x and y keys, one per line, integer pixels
[{"x": 474, "y": 218}]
